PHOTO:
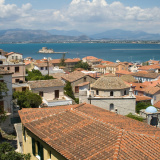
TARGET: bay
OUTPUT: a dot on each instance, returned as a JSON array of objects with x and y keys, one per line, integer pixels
[{"x": 106, "y": 51}]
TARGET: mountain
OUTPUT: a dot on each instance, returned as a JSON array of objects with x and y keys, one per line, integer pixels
[
  {"x": 65, "y": 33},
  {"x": 23, "y": 35},
  {"x": 118, "y": 34}
]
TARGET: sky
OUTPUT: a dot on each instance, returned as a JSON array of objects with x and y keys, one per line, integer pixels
[{"x": 87, "y": 16}]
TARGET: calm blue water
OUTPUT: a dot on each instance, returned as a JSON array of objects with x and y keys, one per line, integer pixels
[{"x": 111, "y": 52}]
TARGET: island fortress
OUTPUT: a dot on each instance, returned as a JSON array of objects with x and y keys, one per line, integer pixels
[{"x": 46, "y": 50}]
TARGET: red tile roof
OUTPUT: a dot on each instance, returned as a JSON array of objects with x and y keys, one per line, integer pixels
[
  {"x": 90, "y": 58},
  {"x": 83, "y": 84},
  {"x": 157, "y": 105},
  {"x": 123, "y": 72},
  {"x": 11, "y": 53},
  {"x": 73, "y": 76},
  {"x": 142, "y": 98},
  {"x": 55, "y": 61},
  {"x": 149, "y": 67},
  {"x": 88, "y": 132}
]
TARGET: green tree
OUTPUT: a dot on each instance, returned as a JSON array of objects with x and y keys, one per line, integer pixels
[
  {"x": 68, "y": 90},
  {"x": 130, "y": 115},
  {"x": 3, "y": 93},
  {"x": 142, "y": 105},
  {"x": 27, "y": 99},
  {"x": 62, "y": 60},
  {"x": 36, "y": 75},
  {"x": 83, "y": 65},
  {"x": 7, "y": 152}
]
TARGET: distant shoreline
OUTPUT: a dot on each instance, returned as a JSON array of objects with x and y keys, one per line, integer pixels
[{"x": 94, "y": 41}]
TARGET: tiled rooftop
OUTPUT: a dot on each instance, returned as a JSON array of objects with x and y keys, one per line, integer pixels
[
  {"x": 73, "y": 76},
  {"x": 149, "y": 67},
  {"x": 157, "y": 105},
  {"x": 142, "y": 98},
  {"x": 147, "y": 75},
  {"x": 88, "y": 132},
  {"x": 109, "y": 83},
  {"x": 45, "y": 83},
  {"x": 128, "y": 78}
]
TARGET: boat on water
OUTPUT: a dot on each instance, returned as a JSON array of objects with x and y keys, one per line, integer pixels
[{"x": 46, "y": 50}]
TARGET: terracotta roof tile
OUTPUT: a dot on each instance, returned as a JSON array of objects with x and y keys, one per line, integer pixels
[
  {"x": 83, "y": 84},
  {"x": 109, "y": 83},
  {"x": 123, "y": 72},
  {"x": 11, "y": 53},
  {"x": 73, "y": 76},
  {"x": 128, "y": 78},
  {"x": 88, "y": 132},
  {"x": 151, "y": 90},
  {"x": 142, "y": 98},
  {"x": 45, "y": 83},
  {"x": 147, "y": 75},
  {"x": 157, "y": 105},
  {"x": 90, "y": 58},
  {"x": 149, "y": 67}
]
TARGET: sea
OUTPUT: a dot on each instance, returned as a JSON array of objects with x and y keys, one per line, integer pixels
[{"x": 106, "y": 51}]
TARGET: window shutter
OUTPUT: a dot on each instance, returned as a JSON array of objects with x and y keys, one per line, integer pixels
[
  {"x": 41, "y": 152},
  {"x": 33, "y": 146}
]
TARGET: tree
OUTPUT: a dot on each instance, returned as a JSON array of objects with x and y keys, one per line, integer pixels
[
  {"x": 83, "y": 65},
  {"x": 68, "y": 90},
  {"x": 62, "y": 60},
  {"x": 3, "y": 93},
  {"x": 27, "y": 99},
  {"x": 142, "y": 105},
  {"x": 36, "y": 75},
  {"x": 8, "y": 152},
  {"x": 3, "y": 89},
  {"x": 130, "y": 115}
]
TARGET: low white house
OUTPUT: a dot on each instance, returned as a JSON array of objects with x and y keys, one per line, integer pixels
[
  {"x": 46, "y": 68},
  {"x": 12, "y": 56},
  {"x": 51, "y": 91}
]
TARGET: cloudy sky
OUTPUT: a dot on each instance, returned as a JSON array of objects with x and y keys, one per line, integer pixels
[{"x": 88, "y": 16}]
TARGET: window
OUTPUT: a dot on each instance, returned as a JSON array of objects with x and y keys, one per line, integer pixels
[
  {"x": 37, "y": 149},
  {"x": 41, "y": 68},
  {"x": 56, "y": 93},
  {"x": 8, "y": 68},
  {"x": 16, "y": 80},
  {"x": 76, "y": 89},
  {"x": 111, "y": 93},
  {"x": 12, "y": 57},
  {"x": 41, "y": 93},
  {"x": 46, "y": 68},
  {"x": 24, "y": 134},
  {"x": 154, "y": 97},
  {"x": 97, "y": 92},
  {"x": 125, "y": 92},
  {"x": 16, "y": 57},
  {"x": 84, "y": 80},
  {"x": 23, "y": 88},
  {"x": 16, "y": 69},
  {"x": 111, "y": 107}
]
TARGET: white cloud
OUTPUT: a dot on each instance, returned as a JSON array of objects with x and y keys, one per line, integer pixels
[{"x": 83, "y": 15}]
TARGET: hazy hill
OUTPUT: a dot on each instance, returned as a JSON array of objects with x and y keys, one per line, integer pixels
[
  {"x": 22, "y": 35},
  {"x": 65, "y": 33},
  {"x": 118, "y": 34}
]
